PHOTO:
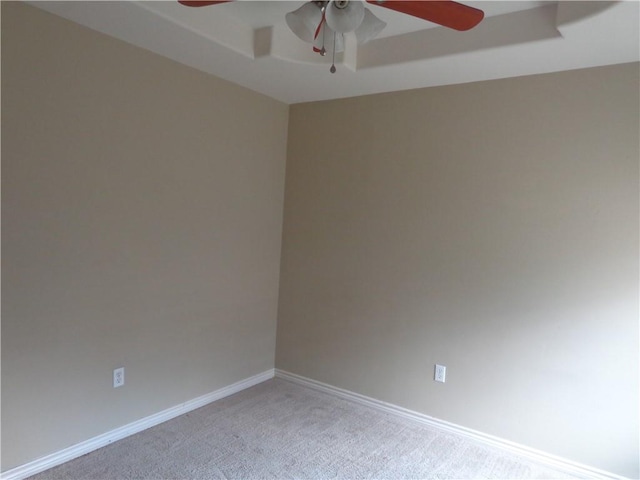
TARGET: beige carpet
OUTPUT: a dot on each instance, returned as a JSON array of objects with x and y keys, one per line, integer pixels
[{"x": 280, "y": 430}]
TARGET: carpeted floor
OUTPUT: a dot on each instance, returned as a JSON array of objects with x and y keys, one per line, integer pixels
[{"x": 280, "y": 430}]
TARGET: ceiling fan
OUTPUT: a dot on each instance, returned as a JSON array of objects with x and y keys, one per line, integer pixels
[{"x": 324, "y": 23}]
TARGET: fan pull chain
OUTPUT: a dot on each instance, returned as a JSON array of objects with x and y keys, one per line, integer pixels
[
  {"x": 333, "y": 57},
  {"x": 323, "y": 52}
]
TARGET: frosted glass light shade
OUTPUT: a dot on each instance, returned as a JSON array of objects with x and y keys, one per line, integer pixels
[
  {"x": 370, "y": 27},
  {"x": 346, "y": 19},
  {"x": 307, "y": 20},
  {"x": 304, "y": 21}
]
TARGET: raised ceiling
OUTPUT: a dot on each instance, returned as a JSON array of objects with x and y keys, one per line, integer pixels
[{"x": 248, "y": 43}]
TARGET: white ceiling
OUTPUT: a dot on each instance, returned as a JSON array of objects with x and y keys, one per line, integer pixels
[{"x": 248, "y": 43}]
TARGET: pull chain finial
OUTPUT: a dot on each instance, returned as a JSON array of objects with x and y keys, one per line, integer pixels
[{"x": 333, "y": 57}]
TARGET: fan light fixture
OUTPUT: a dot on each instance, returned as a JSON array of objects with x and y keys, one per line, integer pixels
[{"x": 324, "y": 23}]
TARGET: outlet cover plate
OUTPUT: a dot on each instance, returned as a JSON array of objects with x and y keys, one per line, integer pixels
[
  {"x": 440, "y": 373},
  {"x": 118, "y": 377}
]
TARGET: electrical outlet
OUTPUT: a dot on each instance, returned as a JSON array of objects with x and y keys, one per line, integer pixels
[
  {"x": 118, "y": 377},
  {"x": 440, "y": 372}
]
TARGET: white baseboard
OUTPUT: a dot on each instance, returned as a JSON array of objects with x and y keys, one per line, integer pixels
[
  {"x": 543, "y": 458},
  {"x": 58, "y": 458},
  {"x": 82, "y": 448}
]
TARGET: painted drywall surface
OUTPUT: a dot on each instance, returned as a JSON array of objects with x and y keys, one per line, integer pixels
[
  {"x": 488, "y": 227},
  {"x": 141, "y": 227}
]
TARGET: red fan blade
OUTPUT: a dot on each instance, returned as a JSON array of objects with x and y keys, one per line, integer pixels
[
  {"x": 200, "y": 3},
  {"x": 447, "y": 13}
]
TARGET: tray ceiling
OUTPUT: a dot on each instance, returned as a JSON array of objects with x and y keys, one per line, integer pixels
[{"x": 248, "y": 43}]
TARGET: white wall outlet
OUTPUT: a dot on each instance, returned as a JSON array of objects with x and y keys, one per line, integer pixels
[
  {"x": 440, "y": 372},
  {"x": 118, "y": 377}
]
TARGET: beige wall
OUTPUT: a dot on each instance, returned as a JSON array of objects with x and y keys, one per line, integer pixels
[
  {"x": 491, "y": 227},
  {"x": 141, "y": 226}
]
